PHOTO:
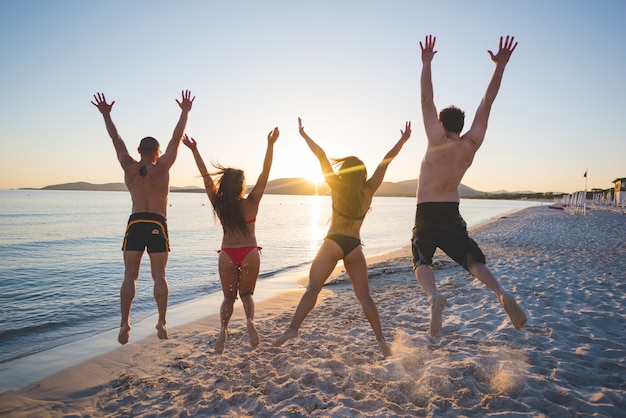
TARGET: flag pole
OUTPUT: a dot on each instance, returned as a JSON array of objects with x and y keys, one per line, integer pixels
[{"x": 585, "y": 196}]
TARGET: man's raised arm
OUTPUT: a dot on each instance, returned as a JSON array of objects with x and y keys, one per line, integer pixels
[
  {"x": 429, "y": 111},
  {"x": 172, "y": 147},
  {"x": 479, "y": 126},
  {"x": 105, "y": 109}
]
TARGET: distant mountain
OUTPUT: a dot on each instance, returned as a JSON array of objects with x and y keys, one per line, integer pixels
[
  {"x": 83, "y": 186},
  {"x": 295, "y": 186},
  {"x": 291, "y": 186},
  {"x": 466, "y": 191}
]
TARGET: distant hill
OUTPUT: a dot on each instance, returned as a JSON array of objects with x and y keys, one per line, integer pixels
[
  {"x": 84, "y": 186},
  {"x": 295, "y": 186},
  {"x": 291, "y": 186}
]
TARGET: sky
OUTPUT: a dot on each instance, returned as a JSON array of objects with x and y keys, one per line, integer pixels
[{"x": 350, "y": 69}]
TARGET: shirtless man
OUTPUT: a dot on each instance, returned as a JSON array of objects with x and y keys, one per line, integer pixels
[
  {"x": 148, "y": 181},
  {"x": 449, "y": 154}
]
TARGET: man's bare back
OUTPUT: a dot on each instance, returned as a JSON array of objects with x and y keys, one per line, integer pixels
[
  {"x": 148, "y": 192},
  {"x": 443, "y": 168}
]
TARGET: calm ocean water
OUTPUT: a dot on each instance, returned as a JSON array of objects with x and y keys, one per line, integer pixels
[{"x": 61, "y": 264}]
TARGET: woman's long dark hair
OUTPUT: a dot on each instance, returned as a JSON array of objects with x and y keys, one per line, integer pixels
[
  {"x": 352, "y": 175},
  {"x": 231, "y": 187}
]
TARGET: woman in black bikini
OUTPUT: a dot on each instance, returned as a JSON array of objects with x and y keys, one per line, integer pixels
[
  {"x": 239, "y": 259},
  {"x": 352, "y": 195}
]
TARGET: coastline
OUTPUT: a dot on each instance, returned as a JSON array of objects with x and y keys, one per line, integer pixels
[{"x": 569, "y": 360}]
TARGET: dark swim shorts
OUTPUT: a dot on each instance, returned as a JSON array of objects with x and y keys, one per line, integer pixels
[
  {"x": 439, "y": 224},
  {"x": 146, "y": 229}
]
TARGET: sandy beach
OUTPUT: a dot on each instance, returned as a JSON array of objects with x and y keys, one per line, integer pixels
[{"x": 567, "y": 272}]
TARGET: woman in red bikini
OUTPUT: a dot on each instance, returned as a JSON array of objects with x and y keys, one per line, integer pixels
[
  {"x": 239, "y": 259},
  {"x": 352, "y": 195}
]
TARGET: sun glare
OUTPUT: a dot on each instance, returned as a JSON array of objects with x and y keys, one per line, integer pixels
[{"x": 315, "y": 177}]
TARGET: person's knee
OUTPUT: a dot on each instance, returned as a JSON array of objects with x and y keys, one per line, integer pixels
[
  {"x": 160, "y": 283},
  {"x": 363, "y": 296},
  {"x": 472, "y": 263},
  {"x": 131, "y": 275},
  {"x": 229, "y": 300},
  {"x": 245, "y": 295},
  {"x": 314, "y": 288}
]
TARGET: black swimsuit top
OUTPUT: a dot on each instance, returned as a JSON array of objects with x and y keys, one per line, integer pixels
[{"x": 352, "y": 218}]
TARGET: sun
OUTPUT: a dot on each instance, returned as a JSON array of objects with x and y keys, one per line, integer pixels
[
  {"x": 315, "y": 176},
  {"x": 305, "y": 174},
  {"x": 308, "y": 170}
]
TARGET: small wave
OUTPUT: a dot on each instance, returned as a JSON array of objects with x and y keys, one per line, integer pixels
[
  {"x": 282, "y": 270},
  {"x": 9, "y": 334}
]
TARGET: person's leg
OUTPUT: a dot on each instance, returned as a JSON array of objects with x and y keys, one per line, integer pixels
[
  {"x": 426, "y": 277},
  {"x": 356, "y": 267},
  {"x": 132, "y": 262},
  {"x": 323, "y": 265},
  {"x": 423, "y": 246},
  {"x": 158, "y": 262},
  {"x": 229, "y": 276},
  {"x": 484, "y": 274},
  {"x": 247, "y": 282}
]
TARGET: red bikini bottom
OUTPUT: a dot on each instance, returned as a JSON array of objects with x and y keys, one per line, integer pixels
[{"x": 237, "y": 254}]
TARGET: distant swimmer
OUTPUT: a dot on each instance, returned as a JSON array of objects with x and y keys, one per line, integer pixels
[
  {"x": 449, "y": 154},
  {"x": 351, "y": 196},
  {"x": 239, "y": 258},
  {"x": 148, "y": 181}
]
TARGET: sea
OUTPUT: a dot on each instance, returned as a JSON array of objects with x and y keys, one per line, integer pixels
[{"x": 61, "y": 262}]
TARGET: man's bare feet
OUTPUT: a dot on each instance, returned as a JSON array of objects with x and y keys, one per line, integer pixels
[
  {"x": 289, "y": 334},
  {"x": 384, "y": 348},
  {"x": 253, "y": 335},
  {"x": 162, "y": 332},
  {"x": 124, "y": 334},
  {"x": 221, "y": 341},
  {"x": 436, "y": 312},
  {"x": 516, "y": 314}
]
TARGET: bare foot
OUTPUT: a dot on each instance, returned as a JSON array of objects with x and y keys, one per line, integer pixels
[
  {"x": 436, "y": 312},
  {"x": 516, "y": 314},
  {"x": 221, "y": 341},
  {"x": 253, "y": 335},
  {"x": 162, "y": 332},
  {"x": 384, "y": 348},
  {"x": 124, "y": 334},
  {"x": 289, "y": 334}
]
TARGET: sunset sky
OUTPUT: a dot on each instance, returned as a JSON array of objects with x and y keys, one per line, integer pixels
[{"x": 350, "y": 69}]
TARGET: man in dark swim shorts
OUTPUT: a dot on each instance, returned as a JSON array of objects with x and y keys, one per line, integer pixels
[
  {"x": 449, "y": 154},
  {"x": 146, "y": 230},
  {"x": 439, "y": 224},
  {"x": 148, "y": 181}
]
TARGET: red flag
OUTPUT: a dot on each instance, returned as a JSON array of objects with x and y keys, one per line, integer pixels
[{"x": 585, "y": 175}]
